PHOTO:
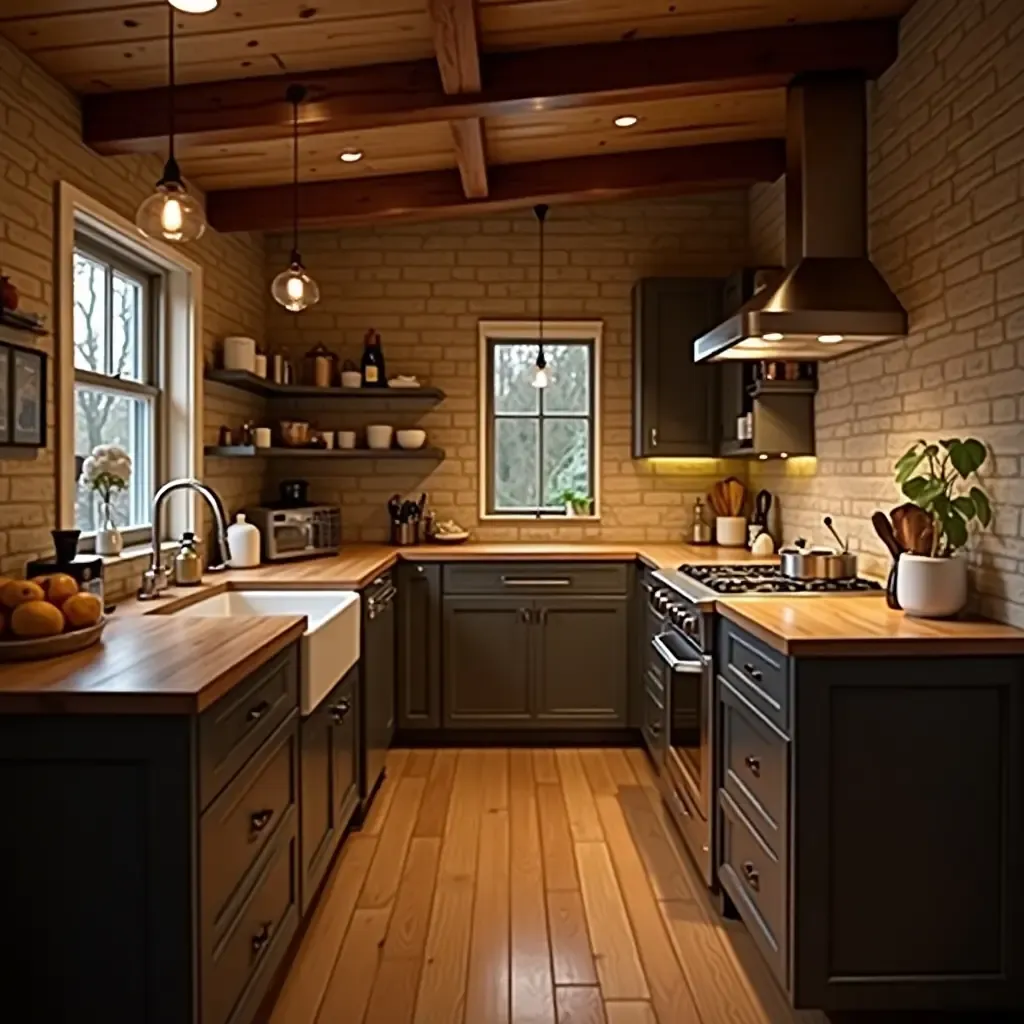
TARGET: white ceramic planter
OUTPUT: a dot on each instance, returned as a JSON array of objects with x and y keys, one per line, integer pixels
[
  {"x": 931, "y": 588},
  {"x": 109, "y": 542},
  {"x": 731, "y": 531}
]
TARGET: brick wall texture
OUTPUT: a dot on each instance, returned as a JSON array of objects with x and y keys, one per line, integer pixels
[
  {"x": 946, "y": 198},
  {"x": 40, "y": 144},
  {"x": 425, "y": 287}
]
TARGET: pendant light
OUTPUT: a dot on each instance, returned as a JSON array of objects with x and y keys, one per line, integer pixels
[
  {"x": 294, "y": 288},
  {"x": 541, "y": 376},
  {"x": 171, "y": 214}
]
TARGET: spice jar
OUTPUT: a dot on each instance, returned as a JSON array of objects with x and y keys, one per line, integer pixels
[{"x": 321, "y": 366}]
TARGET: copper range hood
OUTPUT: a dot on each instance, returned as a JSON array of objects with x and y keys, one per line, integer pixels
[{"x": 831, "y": 300}]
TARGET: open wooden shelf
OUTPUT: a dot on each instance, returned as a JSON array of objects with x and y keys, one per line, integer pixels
[
  {"x": 249, "y": 382},
  {"x": 782, "y": 387},
  {"x": 249, "y": 451},
  {"x": 19, "y": 324}
]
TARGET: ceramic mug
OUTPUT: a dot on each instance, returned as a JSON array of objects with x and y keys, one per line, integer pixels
[
  {"x": 261, "y": 437},
  {"x": 346, "y": 439},
  {"x": 327, "y": 436}
]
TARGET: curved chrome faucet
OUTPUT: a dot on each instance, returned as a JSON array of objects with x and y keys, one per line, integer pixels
[{"x": 154, "y": 580}]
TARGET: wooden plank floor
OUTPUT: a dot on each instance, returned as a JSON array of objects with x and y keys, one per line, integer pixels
[{"x": 523, "y": 887}]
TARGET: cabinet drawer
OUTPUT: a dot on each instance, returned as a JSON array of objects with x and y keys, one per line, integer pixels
[
  {"x": 537, "y": 578},
  {"x": 753, "y": 876},
  {"x": 756, "y": 758},
  {"x": 242, "y": 820},
  {"x": 756, "y": 671},
  {"x": 239, "y": 723},
  {"x": 238, "y": 968}
]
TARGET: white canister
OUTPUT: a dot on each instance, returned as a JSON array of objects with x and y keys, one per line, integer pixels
[
  {"x": 243, "y": 544},
  {"x": 261, "y": 365},
  {"x": 346, "y": 439},
  {"x": 731, "y": 531},
  {"x": 240, "y": 354},
  {"x": 261, "y": 437},
  {"x": 328, "y": 438},
  {"x": 351, "y": 379},
  {"x": 931, "y": 588},
  {"x": 379, "y": 436}
]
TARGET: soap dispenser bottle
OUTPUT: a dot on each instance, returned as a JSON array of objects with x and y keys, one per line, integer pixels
[
  {"x": 243, "y": 544},
  {"x": 188, "y": 564}
]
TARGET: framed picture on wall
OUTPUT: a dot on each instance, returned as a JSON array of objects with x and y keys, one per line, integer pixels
[{"x": 22, "y": 397}]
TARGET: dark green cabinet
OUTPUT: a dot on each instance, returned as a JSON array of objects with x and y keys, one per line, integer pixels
[
  {"x": 675, "y": 401},
  {"x": 330, "y": 791},
  {"x": 488, "y": 661},
  {"x": 582, "y": 660},
  {"x": 536, "y": 662},
  {"x": 419, "y": 646}
]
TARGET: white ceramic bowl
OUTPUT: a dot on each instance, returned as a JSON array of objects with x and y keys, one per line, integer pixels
[
  {"x": 379, "y": 437},
  {"x": 411, "y": 439},
  {"x": 351, "y": 379}
]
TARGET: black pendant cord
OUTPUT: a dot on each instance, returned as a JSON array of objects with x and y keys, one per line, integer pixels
[
  {"x": 172, "y": 173},
  {"x": 541, "y": 212},
  {"x": 296, "y": 94}
]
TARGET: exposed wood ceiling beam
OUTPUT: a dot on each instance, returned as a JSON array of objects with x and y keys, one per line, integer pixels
[
  {"x": 555, "y": 78},
  {"x": 468, "y": 140},
  {"x": 438, "y": 194},
  {"x": 458, "y": 61}
]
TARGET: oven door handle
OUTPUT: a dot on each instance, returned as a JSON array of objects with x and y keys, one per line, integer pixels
[{"x": 677, "y": 665}]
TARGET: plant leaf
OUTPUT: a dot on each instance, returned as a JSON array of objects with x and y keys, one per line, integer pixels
[
  {"x": 907, "y": 463},
  {"x": 982, "y": 507},
  {"x": 965, "y": 506},
  {"x": 922, "y": 490},
  {"x": 967, "y": 456},
  {"x": 955, "y": 530}
]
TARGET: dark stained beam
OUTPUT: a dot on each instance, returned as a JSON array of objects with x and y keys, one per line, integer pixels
[
  {"x": 470, "y": 156},
  {"x": 547, "y": 79},
  {"x": 438, "y": 194}
]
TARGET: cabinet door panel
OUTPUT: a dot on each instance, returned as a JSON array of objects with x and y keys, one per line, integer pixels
[
  {"x": 676, "y": 400},
  {"x": 419, "y": 646},
  {"x": 582, "y": 673},
  {"x": 344, "y": 711},
  {"x": 487, "y": 650}
]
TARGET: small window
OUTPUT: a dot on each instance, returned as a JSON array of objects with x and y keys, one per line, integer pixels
[
  {"x": 539, "y": 443},
  {"x": 117, "y": 379}
]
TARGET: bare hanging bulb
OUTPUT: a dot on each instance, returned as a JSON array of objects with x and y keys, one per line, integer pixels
[{"x": 541, "y": 375}]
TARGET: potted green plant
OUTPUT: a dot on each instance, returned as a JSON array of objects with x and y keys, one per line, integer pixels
[
  {"x": 576, "y": 502},
  {"x": 941, "y": 479}
]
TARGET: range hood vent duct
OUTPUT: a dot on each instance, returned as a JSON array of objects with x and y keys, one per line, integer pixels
[{"x": 832, "y": 300}]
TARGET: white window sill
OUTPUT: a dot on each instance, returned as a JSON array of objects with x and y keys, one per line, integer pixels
[
  {"x": 136, "y": 552},
  {"x": 497, "y": 517}
]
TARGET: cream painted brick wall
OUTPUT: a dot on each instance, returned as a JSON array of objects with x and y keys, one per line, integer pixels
[
  {"x": 947, "y": 225},
  {"x": 40, "y": 144},
  {"x": 425, "y": 287}
]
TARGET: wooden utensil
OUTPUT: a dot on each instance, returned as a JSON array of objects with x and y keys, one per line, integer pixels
[
  {"x": 880, "y": 521},
  {"x": 736, "y": 494},
  {"x": 913, "y": 528}
]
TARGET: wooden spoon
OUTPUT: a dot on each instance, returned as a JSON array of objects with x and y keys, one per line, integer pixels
[{"x": 913, "y": 528}]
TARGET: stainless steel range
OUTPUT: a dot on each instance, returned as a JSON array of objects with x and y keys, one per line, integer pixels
[{"x": 681, "y": 619}]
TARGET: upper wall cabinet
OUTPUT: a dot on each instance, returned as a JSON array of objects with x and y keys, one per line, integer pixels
[{"x": 675, "y": 401}]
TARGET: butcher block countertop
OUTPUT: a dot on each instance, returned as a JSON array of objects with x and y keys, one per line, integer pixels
[
  {"x": 852, "y": 626},
  {"x": 151, "y": 665}
]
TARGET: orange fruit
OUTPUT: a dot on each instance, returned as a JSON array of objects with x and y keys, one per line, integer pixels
[
  {"x": 82, "y": 610},
  {"x": 35, "y": 619},
  {"x": 59, "y": 587},
  {"x": 17, "y": 592}
]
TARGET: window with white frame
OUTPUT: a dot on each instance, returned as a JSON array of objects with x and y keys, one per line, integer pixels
[
  {"x": 539, "y": 445},
  {"x": 118, "y": 378}
]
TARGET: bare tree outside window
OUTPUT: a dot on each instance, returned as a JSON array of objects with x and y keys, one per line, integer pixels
[
  {"x": 116, "y": 397},
  {"x": 540, "y": 441}
]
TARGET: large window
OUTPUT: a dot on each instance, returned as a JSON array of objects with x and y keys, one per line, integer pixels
[
  {"x": 539, "y": 443},
  {"x": 117, "y": 378}
]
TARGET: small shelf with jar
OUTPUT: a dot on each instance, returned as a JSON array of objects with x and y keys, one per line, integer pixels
[
  {"x": 264, "y": 388},
  {"x": 767, "y": 408},
  {"x": 248, "y": 451}
]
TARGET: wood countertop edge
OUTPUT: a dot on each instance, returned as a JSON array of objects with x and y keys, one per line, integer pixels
[{"x": 874, "y": 647}]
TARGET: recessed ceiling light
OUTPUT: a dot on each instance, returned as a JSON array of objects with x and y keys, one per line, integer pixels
[
  {"x": 350, "y": 156},
  {"x": 783, "y": 455},
  {"x": 773, "y": 336},
  {"x": 626, "y": 121},
  {"x": 195, "y": 6},
  {"x": 830, "y": 339},
  {"x": 763, "y": 457}
]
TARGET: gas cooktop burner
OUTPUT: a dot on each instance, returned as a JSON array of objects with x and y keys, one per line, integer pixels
[{"x": 768, "y": 579}]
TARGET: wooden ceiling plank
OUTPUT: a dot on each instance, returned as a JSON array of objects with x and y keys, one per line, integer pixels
[
  {"x": 438, "y": 194},
  {"x": 556, "y": 78},
  {"x": 468, "y": 140}
]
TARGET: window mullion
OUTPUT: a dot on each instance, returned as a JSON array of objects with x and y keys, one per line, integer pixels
[{"x": 108, "y": 321}]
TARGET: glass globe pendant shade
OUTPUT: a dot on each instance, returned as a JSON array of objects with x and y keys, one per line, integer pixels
[
  {"x": 294, "y": 288},
  {"x": 171, "y": 213}
]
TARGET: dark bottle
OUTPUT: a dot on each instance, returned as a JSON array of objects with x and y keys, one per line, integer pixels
[{"x": 374, "y": 375}]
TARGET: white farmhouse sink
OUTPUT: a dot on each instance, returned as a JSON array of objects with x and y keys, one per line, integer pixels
[{"x": 328, "y": 648}]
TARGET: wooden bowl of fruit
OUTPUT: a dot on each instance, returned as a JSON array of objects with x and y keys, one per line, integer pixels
[{"x": 47, "y": 617}]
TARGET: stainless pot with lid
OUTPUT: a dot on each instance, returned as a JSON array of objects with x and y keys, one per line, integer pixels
[{"x": 800, "y": 562}]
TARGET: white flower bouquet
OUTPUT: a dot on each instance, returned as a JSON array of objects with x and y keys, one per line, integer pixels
[{"x": 106, "y": 471}]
